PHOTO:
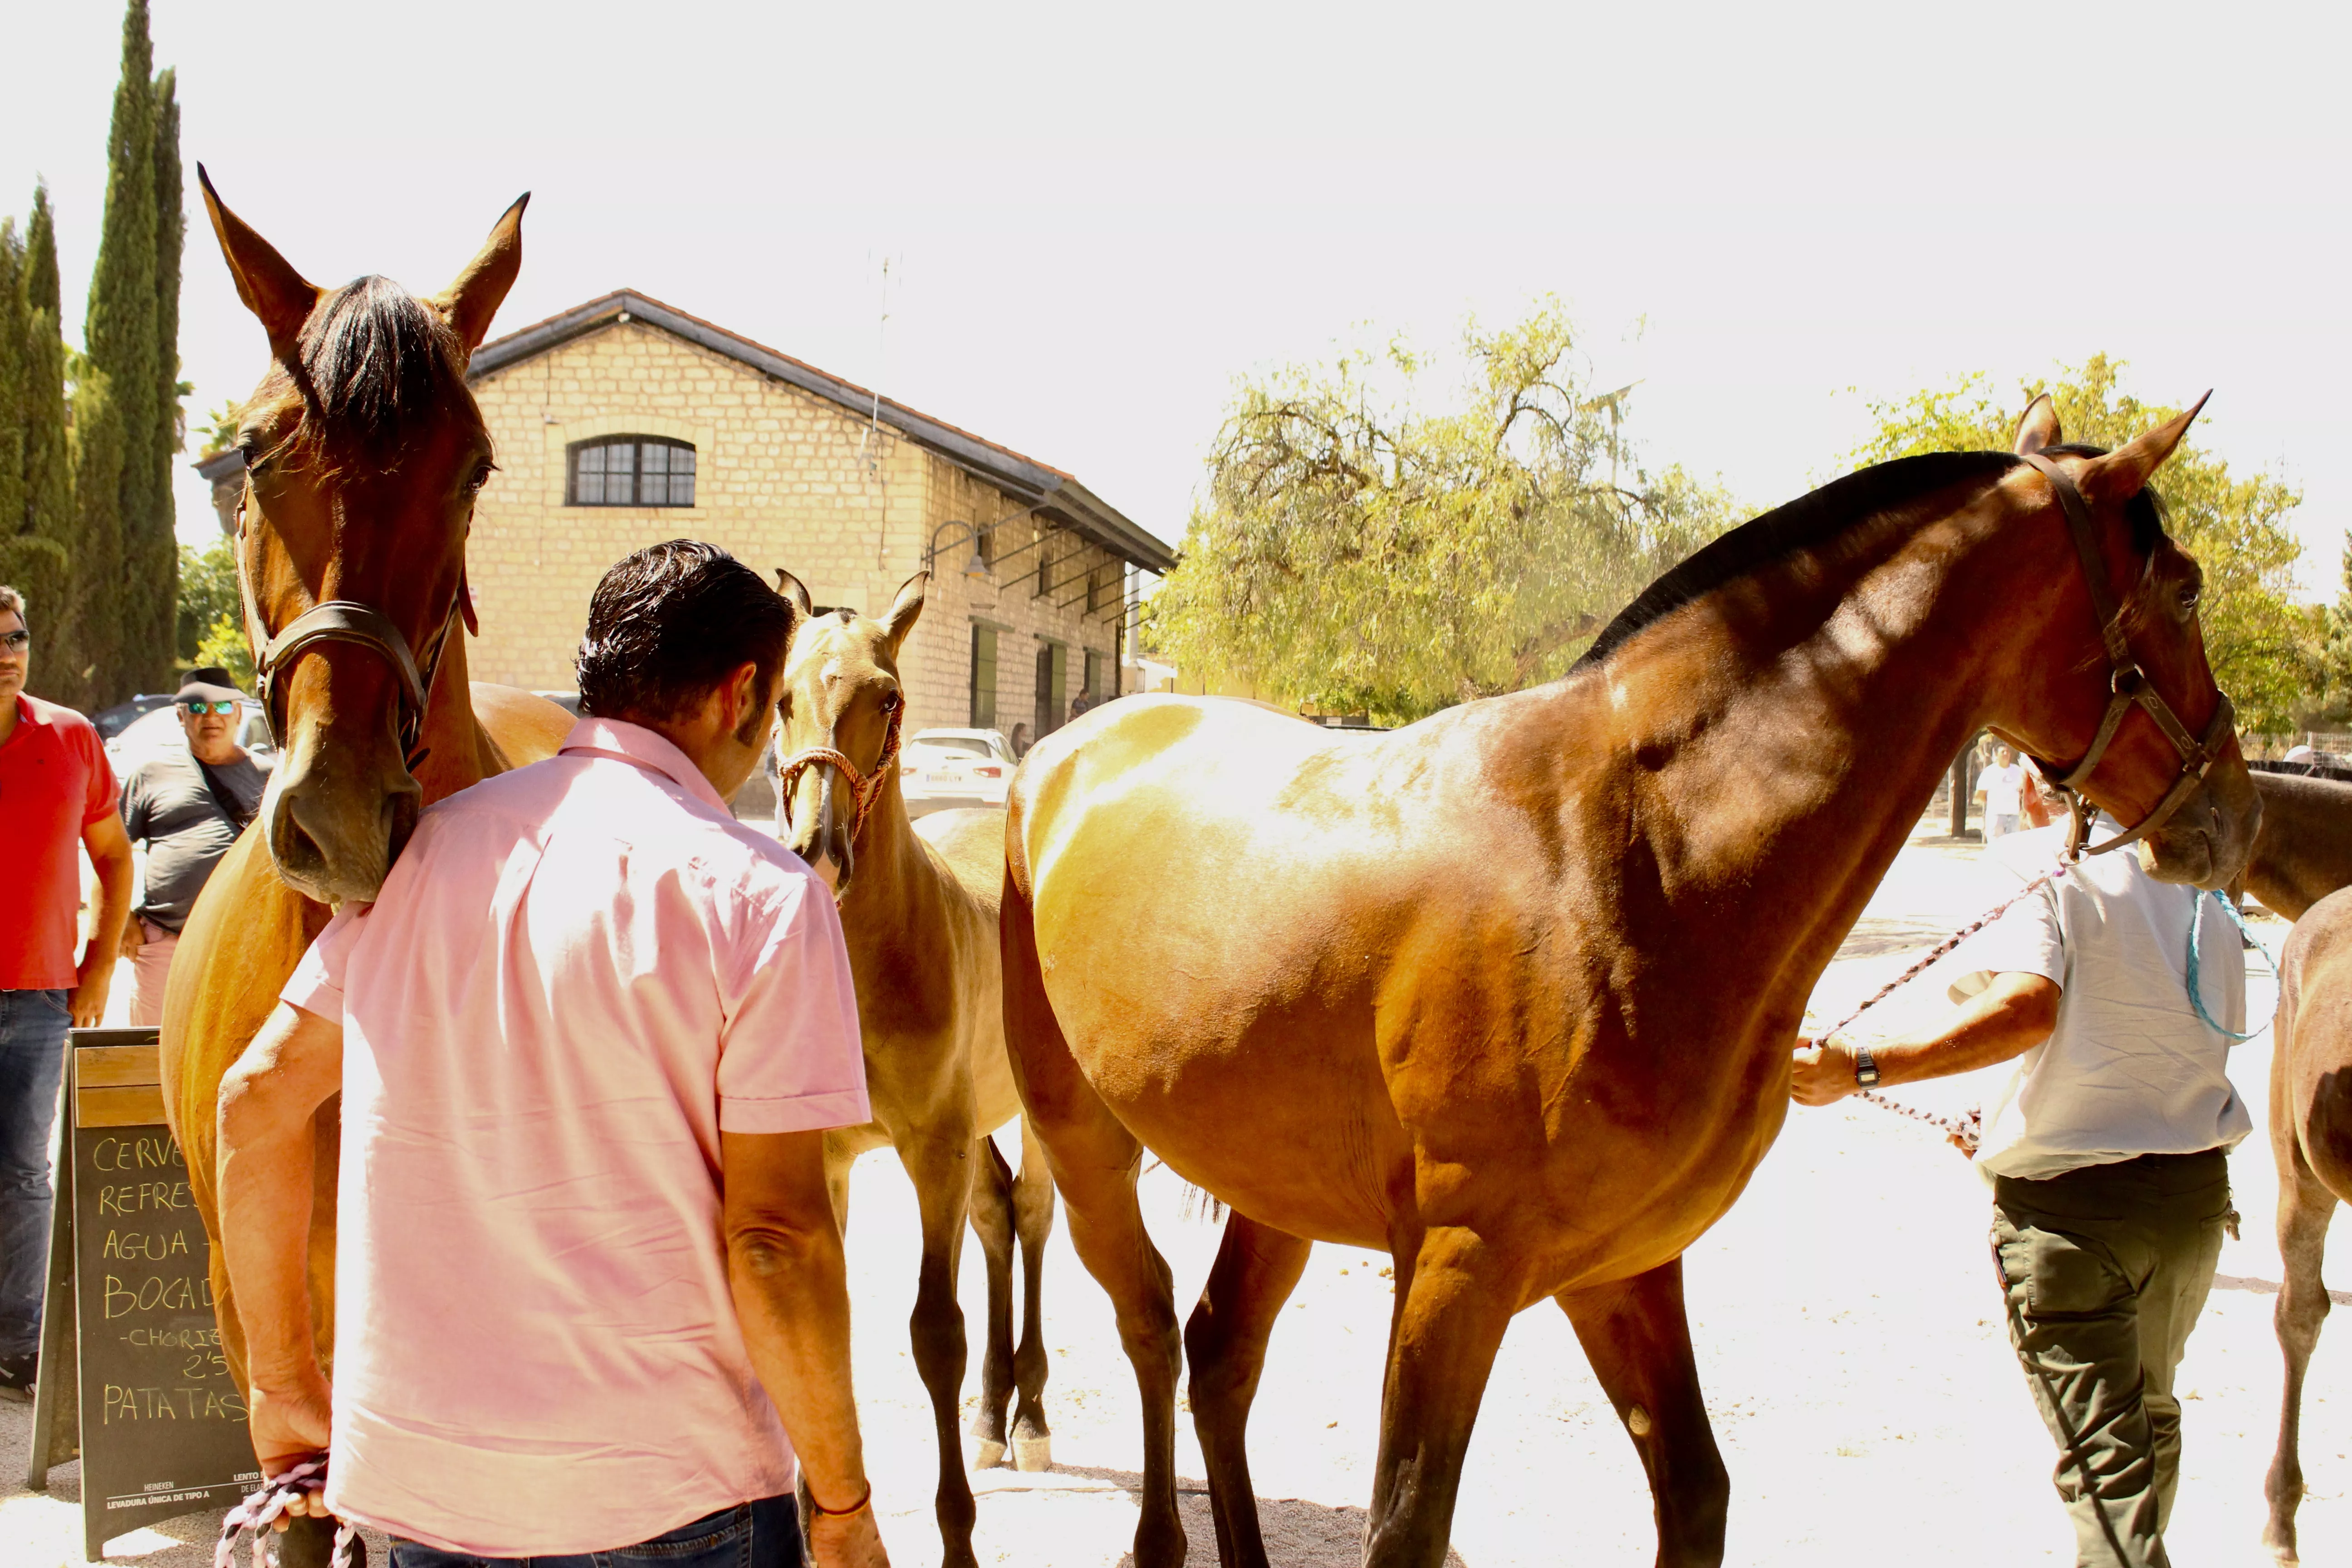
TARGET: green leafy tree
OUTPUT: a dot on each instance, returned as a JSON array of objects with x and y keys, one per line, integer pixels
[
  {"x": 208, "y": 595},
  {"x": 36, "y": 485},
  {"x": 1365, "y": 549},
  {"x": 2239, "y": 529},
  {"x": 129, "y": 638}
]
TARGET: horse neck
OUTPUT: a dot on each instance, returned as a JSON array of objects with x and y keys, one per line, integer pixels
[
  {"x": 2304, "y": 851},
  {"x": 895, "y": 896},
  {"x": 1803, "y": 723},
  {"x": 454, "y": 745}
]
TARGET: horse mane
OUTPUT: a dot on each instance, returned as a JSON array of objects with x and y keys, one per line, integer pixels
[
  {"x": 1814, "y": 519},
  {"x": 376, "y": 361},
  {"x": 1811, "y": 520}
]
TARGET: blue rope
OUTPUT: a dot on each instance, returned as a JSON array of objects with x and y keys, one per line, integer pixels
[{"x": 2197, "y": 919}]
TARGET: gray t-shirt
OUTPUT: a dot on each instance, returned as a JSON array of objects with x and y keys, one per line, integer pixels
[{"x": 167, "y": 803}]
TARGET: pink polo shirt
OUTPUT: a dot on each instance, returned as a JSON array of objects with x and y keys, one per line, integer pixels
[{"x": 576, "y": 976}]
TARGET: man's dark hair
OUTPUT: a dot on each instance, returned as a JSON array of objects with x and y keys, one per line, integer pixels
[{"x": 671, "y": 622}]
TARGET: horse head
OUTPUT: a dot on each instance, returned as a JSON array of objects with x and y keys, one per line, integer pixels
[
  {"x": 842, "y": 707},
  {"x": 363, "y": 451},
  {"x": 2124, "y": 709}
]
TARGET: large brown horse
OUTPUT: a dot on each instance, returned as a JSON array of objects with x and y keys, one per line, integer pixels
[
  {"x": 918, "y": 912},
  {"x": 363, "y": 454},
  {"x": 1511, "y": 992}
]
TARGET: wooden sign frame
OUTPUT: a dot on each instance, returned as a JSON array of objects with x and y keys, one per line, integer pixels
[{"x": 170, "y": 1438}]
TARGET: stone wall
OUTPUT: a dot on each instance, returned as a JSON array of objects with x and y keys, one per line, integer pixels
[{"x": 782, "y": 479}]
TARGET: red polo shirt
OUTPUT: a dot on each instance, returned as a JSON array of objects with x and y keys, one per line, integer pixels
[{"x": 54, "y": 782}]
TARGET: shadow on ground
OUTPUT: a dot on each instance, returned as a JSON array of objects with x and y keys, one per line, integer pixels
[{"x": 1298, "y": 1534}]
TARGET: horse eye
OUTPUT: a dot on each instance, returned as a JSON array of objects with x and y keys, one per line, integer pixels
[
  {"x": 2189, "y": 597},
  {"x": 481, "y": 476}
]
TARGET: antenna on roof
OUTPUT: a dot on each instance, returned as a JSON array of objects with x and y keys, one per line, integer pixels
[{"x": 881, "y": 354}]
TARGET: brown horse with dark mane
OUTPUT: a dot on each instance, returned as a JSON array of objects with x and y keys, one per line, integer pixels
[
  {"x": 1511, "y": 992},
  {"x": 363, "y": 453}
]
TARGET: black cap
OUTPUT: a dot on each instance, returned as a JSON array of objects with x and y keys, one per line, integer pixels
[{"x": 209, "y": 684}]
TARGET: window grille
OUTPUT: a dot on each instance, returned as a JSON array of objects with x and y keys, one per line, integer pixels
[{"x": 630, "y": 470}]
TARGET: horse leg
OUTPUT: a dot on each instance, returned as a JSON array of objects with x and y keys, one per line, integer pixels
[
  {"x": 1033, "y": 1220},
  {"x": 1095, "y": 1162},
  {"x": 1256, "y": 1269},
  {"x": 2305, "y": 1205},
  {"x": 1455, "y": 1296},
  {"x": 941, "y": 1165},
  {"x": 991, "y": 1222},
  {"x": 1638, "y": 1340}
]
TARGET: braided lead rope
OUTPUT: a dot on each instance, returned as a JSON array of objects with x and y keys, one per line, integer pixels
[
  {"x": 2196, "y": 997},
  {"x": 257, "y": 1513},
  {"x": 1969, "y": 1129}
]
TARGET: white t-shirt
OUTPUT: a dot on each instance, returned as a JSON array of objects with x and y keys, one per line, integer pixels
[
  {"x": 2001, "y": 785},
  {"x": 2130, "y": 1070}
]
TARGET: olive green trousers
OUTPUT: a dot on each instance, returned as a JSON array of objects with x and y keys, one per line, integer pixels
[{"x": 2104, "y": 1270}]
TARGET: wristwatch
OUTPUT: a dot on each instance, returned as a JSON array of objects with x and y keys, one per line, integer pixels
[{"x": 1865, "y": 1068}]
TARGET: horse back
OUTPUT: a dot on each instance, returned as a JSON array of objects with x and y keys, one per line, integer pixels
[{"x": 2311, "y": 1069}]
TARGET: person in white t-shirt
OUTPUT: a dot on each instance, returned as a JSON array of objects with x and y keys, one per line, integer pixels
[
  {"x": 2108, "y": 1152},
  {"x": 2001, "y": 788}
]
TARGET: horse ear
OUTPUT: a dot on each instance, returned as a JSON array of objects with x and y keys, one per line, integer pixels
[
  {"x": 276, "y": 294},
  {"x": 905, "y": 609},
  {"x": 2124, "y": 472},
  {"x": 2037, "y": 427},
  {"x": 796, "y": 591},
  {"x": 475, "y": 297}
]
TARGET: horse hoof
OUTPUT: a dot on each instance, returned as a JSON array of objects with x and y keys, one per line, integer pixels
[
  {"x": 1033, "y": 1454},
  {"x": 987, "y": 1453}
]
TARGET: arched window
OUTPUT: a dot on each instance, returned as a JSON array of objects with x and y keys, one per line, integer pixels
[{"x": 629, "y": 470}]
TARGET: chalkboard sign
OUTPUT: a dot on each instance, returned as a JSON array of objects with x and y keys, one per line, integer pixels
[{"x": 162, "y": 1424}]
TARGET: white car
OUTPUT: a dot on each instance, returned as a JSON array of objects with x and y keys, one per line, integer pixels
[{"x": 942, "y": 769}]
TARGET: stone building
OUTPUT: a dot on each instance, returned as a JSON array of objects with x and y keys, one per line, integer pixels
[{"x": 623, "y": 422}]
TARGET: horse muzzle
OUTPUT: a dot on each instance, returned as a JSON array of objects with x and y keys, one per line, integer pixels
[
  {"x": 335, "y": 832},
  {"x": 2208, "y": 840}
]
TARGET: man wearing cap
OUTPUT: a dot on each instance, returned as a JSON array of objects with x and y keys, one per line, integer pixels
[
  {"x": 187, "y": 808},
  {"x": 57, "y": 796}
]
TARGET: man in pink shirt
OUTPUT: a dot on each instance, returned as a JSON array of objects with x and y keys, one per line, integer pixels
[{"x": 588, "y": 1040}]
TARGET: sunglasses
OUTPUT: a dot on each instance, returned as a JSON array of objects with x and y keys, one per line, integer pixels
[
  {"x": 198, "y": 709},
  {"x": 16, "y": 641}
]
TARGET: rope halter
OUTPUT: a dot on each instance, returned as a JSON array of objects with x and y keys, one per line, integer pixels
[{"x": 865, "y": 788}]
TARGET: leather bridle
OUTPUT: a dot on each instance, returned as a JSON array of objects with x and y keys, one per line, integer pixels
[
  {"x": 2130, "y": 687},
  {"x": 347, "y": 621}
]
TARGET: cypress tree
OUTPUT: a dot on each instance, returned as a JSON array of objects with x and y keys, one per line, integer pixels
[
  {"x": 117, "y": 577},
  {"x": 160, "y": 547},
  {"x": 37, "y": 488},
  {"x": 16, "y": 346},
  {"x": 48, "y": 458}
]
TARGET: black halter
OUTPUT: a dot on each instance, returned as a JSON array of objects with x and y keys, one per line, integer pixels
[
  {"x": 2130, "y": 686},
  {"x": 345, "y": 620}
]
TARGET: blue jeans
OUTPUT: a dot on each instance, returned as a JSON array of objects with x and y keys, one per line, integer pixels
[
  {"x": 33, "y": 1025},
  {"x": 762, "y": 1535}
]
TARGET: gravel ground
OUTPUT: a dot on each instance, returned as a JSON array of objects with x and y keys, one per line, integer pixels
[{"x": 1849, "y": 1335}]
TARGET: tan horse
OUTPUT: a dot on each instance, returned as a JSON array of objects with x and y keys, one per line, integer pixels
[
  {"x": 2301, "y": 859},
  {"x": 1511, "y": 992},
  {"x": 363, "y": 452},
  {"x": 918, "y": 911}
]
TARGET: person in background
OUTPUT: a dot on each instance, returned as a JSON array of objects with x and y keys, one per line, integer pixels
[
  {"x": 187, "y": 809},
  {"x": 57, "y": 796},
  {"x": 591, "y": 1303},
  {"x": 2108, "y": 1154},
  {"x": 1019, "y": 741},
  {"x": 2001, "y": 788}
]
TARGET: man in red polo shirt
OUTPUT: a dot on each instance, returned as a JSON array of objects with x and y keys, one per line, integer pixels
[{"x": 56, "y": 791}]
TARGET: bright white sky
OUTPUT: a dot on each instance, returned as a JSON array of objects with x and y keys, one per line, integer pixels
[{"x": 1098, "y": 216}]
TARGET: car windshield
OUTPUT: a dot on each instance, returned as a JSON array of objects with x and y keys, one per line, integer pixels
[{"x": 968, "y": 746}]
